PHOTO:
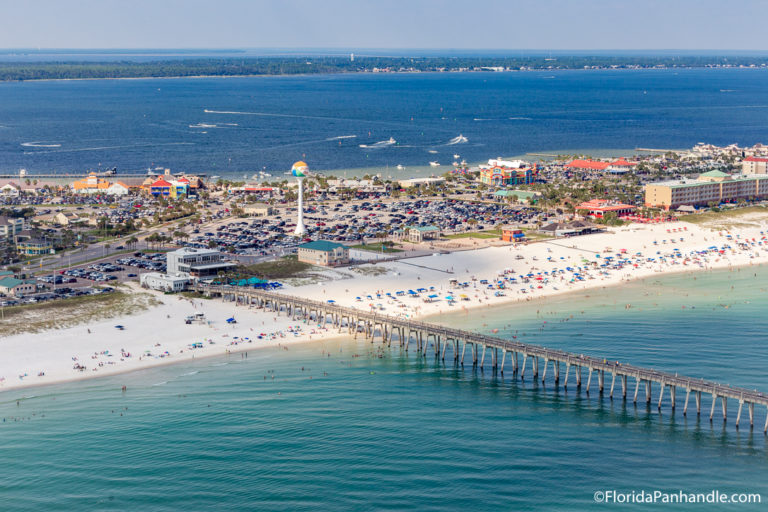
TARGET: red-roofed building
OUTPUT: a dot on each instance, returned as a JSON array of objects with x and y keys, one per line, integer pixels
[
  {"x": 160, "y": 188},
  {"x": 623, "y": 163},
  {"x": 588, "y": 165},
  {"x": 754, "y": 165},
  {"x": 599, "y": 207}
]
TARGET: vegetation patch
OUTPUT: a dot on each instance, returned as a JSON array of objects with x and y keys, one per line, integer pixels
[
  {"x": 728, "y": 218},
  {"x": 371, "y": 270},
  {"x": 490, "y": 233},
  {"x": 387, "y": 247},
  {"x": 277, "y": 269},
  {"x": 63, "y": 313}
]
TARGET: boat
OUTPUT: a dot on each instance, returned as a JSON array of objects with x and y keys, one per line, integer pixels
[
  {"x": 380, "y": 144},
  {"x": 456, "y": 156},
  {"x": 455, "y": 163},
  {"x": 457, "y": 140},
  {"x": 432, "y": 151},
  {"x": 434, "y": 164},
  {"x": 400, "y": 166}
]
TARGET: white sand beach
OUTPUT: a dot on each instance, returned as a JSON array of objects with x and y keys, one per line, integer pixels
[{"x": 440, "y": 283}]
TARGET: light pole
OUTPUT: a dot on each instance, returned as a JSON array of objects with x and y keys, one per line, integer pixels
[{"x": 299, "y": 170}]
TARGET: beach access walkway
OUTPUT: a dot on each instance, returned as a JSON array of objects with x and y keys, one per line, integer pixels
[{"x": 407, "y": 332}]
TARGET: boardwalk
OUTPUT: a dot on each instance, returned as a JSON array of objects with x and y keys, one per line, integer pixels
[{"x": 406, "y": 332}]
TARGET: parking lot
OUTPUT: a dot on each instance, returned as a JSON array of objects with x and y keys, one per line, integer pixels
[
  {"x": 357, "y": 222},
  {"x": 63, "y": 292}
]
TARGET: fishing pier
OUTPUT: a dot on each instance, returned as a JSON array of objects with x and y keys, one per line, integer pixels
[{"x": 602, "y": 376}]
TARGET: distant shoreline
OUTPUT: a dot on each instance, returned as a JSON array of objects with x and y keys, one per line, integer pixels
[
  {"x": 13, "y": 71},
  {"x": 256, "y": 75}
]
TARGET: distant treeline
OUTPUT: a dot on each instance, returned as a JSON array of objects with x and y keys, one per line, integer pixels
[{"x": 303, "y": 65}]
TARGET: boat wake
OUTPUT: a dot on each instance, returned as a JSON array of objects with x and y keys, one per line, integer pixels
[
  {"x": 521, "y": 119},
  {"x": 380, "y": 144},
  {"x": 219, "y": 125},
  {"x": 340, "y": 137},
  {"x": 101, "y": 148},
  {"x": 39, "y": 145},
  {"x": 457, "y": 140}
]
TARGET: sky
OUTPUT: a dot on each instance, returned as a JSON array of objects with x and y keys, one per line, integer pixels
[{"x": 396, "y": 24}]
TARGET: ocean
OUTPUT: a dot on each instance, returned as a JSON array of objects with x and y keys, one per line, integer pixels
[
  {"x": 349, "y": 425},
  {"x": 235, "y": 127}
]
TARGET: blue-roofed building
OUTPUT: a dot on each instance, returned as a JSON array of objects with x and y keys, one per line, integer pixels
[{"x": 324, "y": 253}]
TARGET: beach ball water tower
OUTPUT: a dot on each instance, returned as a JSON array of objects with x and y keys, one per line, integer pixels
[{"x": 299, "y": 170}]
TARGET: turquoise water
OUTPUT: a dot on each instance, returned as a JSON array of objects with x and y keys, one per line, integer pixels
[{"x": 388, "y": 430}]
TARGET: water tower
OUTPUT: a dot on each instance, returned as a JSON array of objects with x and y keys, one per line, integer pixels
[{"x": 299, "y": 170}]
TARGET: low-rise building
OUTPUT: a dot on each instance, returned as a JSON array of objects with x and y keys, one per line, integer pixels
[
  {"x": 512, "y": 234},
  {"x": 754, "y": 165},
  {"x": 419, "y": 182},
  {"x": 118, "y": 188},
  {"x": 597, "y": 208},
  {"x": 502, "y": 172},
  {"x": 91, "y": 184},
  {"x": 197, "y": 262},
  {"x": 324, "y": 253},
  {"x": 17, "y": 287},
  {"x": 588, "y": 165},
  {"x": 521, "y": 196},
  {"x": 162, "y": 188},
  {"x": 11, "y": 226},
  {"x": 258, "y": 210},
  {"x": 68, "y": 219},
  {"x": 572, "y": 228},
  {"x": 710, "y": 187},
  {"x": 10, "y": 190},
  {"x": 418, "y": 234},
  {"x": 34, "y": 247},
  {"x": 165, "y": 282}
]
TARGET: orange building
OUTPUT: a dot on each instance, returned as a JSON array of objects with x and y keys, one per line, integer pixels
[
  {"x": 512, "y": 234},
  {"x": 599, "y": 207},
  {"x": 90, "y": 185}
]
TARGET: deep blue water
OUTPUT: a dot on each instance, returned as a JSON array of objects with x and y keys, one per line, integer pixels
[
  {"x": 134, "y": 124},
  {"x": 398, "y": 432}
]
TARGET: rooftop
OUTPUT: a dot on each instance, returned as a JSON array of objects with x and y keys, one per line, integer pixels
[
  {"x": 321, "y": 245},
  {"x": 10, "y": 282}
]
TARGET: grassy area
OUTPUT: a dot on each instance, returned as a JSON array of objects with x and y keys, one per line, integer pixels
[
  {"x": 375, "y": 248},
  {"x": 194, "y": 295},
  {"x": 59, "y": 314},
  {"x": 724, "y": 217},
  {"x": 490, "y": 233},
  {"x": 278, "y": 269}
]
